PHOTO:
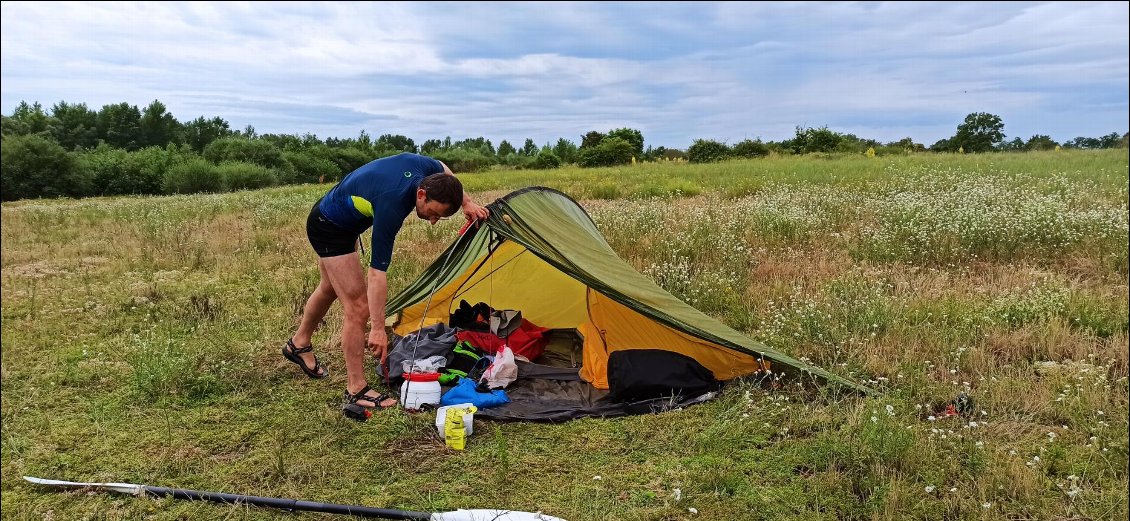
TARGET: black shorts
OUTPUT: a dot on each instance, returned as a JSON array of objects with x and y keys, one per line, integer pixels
[{"x": 327, "y": 238}]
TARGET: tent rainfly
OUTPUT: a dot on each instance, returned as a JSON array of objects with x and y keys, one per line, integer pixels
[{"x": 540, "y": 252}]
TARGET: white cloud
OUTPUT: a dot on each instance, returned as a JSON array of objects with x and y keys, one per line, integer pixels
[{"x": 676, "y": 71}]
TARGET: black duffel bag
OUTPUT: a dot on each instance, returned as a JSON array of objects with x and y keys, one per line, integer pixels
[{"x": 644, "y": 374}]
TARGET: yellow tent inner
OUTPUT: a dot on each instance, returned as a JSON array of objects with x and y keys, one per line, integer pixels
[{"x": 513, "y": 278}]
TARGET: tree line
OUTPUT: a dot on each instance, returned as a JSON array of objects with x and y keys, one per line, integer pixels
[{"x": 72, "y": 150}]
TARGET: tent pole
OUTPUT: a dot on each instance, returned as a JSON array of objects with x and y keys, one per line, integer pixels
[
  {"x": 295, "y": 504},
  {"x": 424, "y": 316}
]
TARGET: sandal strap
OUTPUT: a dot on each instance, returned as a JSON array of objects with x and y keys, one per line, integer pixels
[
  {"x": 380, "y": 397},
  {"x": 359, "y": 395},
  {"x": 298, "y": 350}
]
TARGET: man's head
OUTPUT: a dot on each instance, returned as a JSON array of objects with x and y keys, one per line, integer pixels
[{"x": 439, "y": 196}]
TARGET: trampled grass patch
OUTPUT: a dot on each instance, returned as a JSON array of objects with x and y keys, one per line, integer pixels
[{"x": 141, "y": 342}]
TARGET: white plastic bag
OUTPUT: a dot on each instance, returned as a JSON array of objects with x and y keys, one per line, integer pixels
[
  {"x": 503, "y": 371},
  {"x": 431, "y": 364}
]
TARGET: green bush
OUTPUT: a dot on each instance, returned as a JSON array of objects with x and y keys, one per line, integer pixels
[
  {"x": 195, "y": 175},
  {"x": 609, "y": 152},
  {"x": 630, "y": 135},
  {"x": 256, "y": 151},
  {"x": 347, "y": 159},
  {"x": 707, "y": 151},
  {"x": 813, "y": 140},
  {"x": 893, "y": 150},
  {"x": 245, "y": 176},
  {"x": 546, "y": 160},
  {"x": 117, "y": 172},
  {"x": 565, "y": 150},
  {"x": 145, "y": 169},
  {"x": 464, "y": 160},
  {"x": 34, "y": 166},
  {"x": 104, "y": 166},
  {"x": 308, "y": 168},
  {"x": 750, "y": 148},
  {"x": 515, "y": 160}
]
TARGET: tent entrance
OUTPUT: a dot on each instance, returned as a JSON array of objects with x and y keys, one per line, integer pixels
[{"x": 564, "y": 348}]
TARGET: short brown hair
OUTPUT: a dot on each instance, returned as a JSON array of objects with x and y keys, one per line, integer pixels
[{"x": 445, "y": 189}]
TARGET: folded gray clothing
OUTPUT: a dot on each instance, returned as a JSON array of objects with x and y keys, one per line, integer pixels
[{"x": 438, "y": 339}]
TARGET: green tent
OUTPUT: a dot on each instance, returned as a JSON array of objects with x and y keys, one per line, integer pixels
[{"x": 540, "y": 252}]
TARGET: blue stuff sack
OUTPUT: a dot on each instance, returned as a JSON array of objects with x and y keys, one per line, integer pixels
[{"x": 464, "y": 392}]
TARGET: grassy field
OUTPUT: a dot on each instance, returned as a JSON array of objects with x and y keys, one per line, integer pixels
[{"x": 141, "y": 335}]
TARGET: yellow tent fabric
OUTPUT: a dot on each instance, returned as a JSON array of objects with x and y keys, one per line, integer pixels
[
  {"x": 511, "y": 278},
  {"x": 514, "y": 278}
]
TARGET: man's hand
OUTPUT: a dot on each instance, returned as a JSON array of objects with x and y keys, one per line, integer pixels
[
  {"x": 473, "y": 211},
  {"x": 378, "y": 344}
]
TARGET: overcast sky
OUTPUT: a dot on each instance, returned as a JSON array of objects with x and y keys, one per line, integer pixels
[{"x": 675, "y": 71}]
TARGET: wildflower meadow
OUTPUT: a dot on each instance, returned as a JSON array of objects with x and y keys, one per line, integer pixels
[{"x": 983, "y": 297}]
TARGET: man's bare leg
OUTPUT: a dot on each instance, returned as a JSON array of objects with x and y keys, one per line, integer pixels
[
  {"x": 312, "y": 314},
  {"x": 348, "y": 281}
]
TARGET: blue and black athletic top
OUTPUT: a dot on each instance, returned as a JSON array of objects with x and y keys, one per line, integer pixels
[{"x": 380, "y": 194}]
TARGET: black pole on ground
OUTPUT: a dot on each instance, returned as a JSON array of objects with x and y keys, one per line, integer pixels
[{"x": 286, "y": 504}]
